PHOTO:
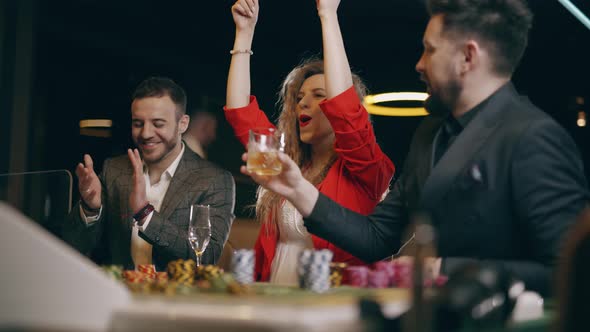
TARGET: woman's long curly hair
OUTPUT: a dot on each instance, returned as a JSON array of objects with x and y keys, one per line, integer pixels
[{"x": 268, "y": 203}]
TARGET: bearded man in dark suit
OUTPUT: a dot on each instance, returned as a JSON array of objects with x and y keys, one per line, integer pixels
[
  {"x": 137, "y": 210},
  {"x": 500, "y": 179}
]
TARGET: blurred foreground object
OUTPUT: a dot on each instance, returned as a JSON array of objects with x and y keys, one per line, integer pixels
[
  {"x": 574, "y": 273},
  {"x": 39, "y": 271}
]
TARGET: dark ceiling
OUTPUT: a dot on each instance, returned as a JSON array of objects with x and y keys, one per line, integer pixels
[
  {"x": 383, "y": 37},
  {"x": 91, "y": 53}
]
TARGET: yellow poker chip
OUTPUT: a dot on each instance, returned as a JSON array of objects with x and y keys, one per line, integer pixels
[
  {"x": 336, "y": 271},
  {"x": 182, "y": 271},
  {"x": 207, "y": 272}
]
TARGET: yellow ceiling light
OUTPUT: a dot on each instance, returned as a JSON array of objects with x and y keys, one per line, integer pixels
[
  {"x": 371, "y": 102},
  {"x": 96, "y": 123},
  {"x": 96, "y": 127},
  {"x": 581, "y": 119}
]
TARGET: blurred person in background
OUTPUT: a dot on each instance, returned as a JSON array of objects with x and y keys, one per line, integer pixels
[{"x": 201, "y": 131}]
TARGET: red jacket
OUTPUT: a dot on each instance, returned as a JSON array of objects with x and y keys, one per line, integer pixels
[{"x": 356, "y": 180}]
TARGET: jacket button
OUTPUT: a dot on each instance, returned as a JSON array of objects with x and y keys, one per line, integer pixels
[{"x": 157, "y": 239}]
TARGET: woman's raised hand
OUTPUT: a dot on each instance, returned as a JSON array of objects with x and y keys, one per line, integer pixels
[
  {"x": 327, "y": 6},
  {"x": 245, "y": 14}
]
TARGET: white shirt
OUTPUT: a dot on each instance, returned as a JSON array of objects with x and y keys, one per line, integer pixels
[{"x": 141, "y": 251}]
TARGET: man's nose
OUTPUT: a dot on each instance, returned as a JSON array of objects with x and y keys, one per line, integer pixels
[
  {"x": 147, "y": 131},
  {"x": 420, "y": 65}
]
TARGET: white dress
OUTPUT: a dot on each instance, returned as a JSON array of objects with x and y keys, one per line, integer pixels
[{"x": 293, "y": 239}]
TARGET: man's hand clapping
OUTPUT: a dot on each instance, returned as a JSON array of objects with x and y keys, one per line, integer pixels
[
  {"x": 89, "y": 184},
  {"x": 138, "y": 196}
]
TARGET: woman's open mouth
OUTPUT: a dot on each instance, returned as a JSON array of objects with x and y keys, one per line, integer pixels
[{"x": 304, "y": 120}]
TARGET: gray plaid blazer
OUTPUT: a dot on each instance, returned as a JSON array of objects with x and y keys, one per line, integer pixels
[{"x": 196, "y": 181}]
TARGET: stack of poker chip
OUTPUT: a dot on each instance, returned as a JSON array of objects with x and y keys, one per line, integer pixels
[
  {"x": 357, "y": 276},
  {"x": 182, "y": 271},
  {"x": 208, "y": 272},
  {"x": 227, "y": 283},
  {"x": 133, "y": 277},
  {"x": 114, "y": 271},
  {"x": 336, "y": 273},
  {"x": 149, "y": 271},
  {"x": 242, "y": 266},
  {"x": 402, "y": 276},
  {"x": 388, "y": 267},
  {"x": 303, "y": 265},
  {"x": 317, "y": 272},
  {"x": 161, "y": 276},
  {"x": 377, "y": 279}
]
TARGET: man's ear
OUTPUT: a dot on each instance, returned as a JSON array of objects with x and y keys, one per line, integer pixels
[
  {"x": 471, "y": 56},
  {"x": 183, "y": 123}
]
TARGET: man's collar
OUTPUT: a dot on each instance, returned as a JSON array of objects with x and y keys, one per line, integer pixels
[{"x": 466, "y": 117}]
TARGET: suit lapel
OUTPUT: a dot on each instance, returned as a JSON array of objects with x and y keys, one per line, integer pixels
[
  {"x": 423, "y": 160},
  {"x": 424, "y": 164},
  {"x": 468, "y": 143},
  {"x": 177, "y": 191}
]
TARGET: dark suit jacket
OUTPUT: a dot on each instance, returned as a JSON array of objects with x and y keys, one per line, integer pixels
[
  {"x": 505, "y": 191},
  {"x": 196, "y": 181}
]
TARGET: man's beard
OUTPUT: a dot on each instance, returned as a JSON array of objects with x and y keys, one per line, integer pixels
[
  {"x": 435, "y": 104},
  {"x": 169, "y": 145}
]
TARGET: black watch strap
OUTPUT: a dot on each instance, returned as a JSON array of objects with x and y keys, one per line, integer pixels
[
  {"x": 144, "y": 212},
  {"x": 88, "y": 208}
]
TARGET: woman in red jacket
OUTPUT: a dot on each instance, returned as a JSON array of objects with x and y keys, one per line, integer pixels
[{"x": 327, "y": 133}]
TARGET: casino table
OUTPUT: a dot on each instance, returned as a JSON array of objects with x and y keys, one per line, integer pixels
[
  {"x": 269, "y": 307},
  {"x": 51, "y": 287},
  {"x": 264, "y": 307}
]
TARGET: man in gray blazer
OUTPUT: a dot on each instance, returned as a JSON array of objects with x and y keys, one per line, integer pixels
[
  {"x": 137, "y": 210},
  {"x": 500, "y": 179}
]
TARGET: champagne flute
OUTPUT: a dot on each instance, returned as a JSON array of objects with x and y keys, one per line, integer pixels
[{"x": 199, "y": 229}]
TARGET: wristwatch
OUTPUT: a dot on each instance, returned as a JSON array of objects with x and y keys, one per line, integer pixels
[
  {"x": 88, "y": 208},
  {"x": 141, "y": 214}
]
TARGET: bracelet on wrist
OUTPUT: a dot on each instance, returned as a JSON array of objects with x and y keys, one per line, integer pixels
[{"x": 246, "y": 51}]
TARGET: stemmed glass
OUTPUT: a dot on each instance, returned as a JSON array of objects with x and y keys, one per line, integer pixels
[{"x": 199, "y": 229}]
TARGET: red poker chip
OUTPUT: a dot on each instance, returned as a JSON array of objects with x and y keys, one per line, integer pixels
[
  {"x": 389, "y": 268},
  {"x": 378, "y": 279},
  {"x": 133, "y": 276},
  {"x": 357, "y": 276},
  {"x": 147, "y": 268}
]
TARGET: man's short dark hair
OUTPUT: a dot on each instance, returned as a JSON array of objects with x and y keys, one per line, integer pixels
[
  {"x": 160, "y": 87},
  {"x": 500, "y": 25}
]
